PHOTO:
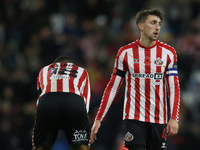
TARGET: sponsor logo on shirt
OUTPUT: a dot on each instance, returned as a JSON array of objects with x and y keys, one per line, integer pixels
[
  {"x": 128, "y": 137},
  {"x": 59, "y": 77},
  {"x": 156, "y": 76},
  {"x": 80, "y": 135}
]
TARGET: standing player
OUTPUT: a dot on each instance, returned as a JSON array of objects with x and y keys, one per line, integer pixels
[
  {"x": 63, "y": 104},
  {"x": 149, "y": 68}
]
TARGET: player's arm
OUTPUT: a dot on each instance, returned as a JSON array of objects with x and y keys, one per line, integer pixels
[
  {"x": 87, "y": 90},
  {"x": 110, "y": 91},
  {"x": 174, "y": 98},
  {"x": 114, "y": 84},
  {"x": 38, "y": 85},
  {"x": 109, "y": 94}
]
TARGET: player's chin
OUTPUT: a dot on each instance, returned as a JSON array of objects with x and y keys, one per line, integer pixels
[{"x": 154, "y": 38}]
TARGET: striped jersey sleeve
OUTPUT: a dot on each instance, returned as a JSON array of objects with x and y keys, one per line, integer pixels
[
  {"x": 113, "y": 86},
  {"x": 173, "y": 85}
]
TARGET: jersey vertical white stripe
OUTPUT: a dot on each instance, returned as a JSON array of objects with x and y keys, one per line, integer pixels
[
  {"x": 78, "y": 91},
  {"x": 142, "y": 82},
  {"x": 161, "y": 105},
  {"x": 82, "y": 86},
  {"x": 162, "y": 96},
  {"x": 45, "y": 71},
  {"x": 152, "y": 90},
  {"x": 54, "y": 81},
  {"x": 53, "y": 85},
  {"x": 172, "y": 94},
  {"x": 65, "y": 85},
  {"x": 121, "y": 59},
  {"x": 88, "y": 98},
  {"x": 125, "y": 98},
  {"x": 131, "y": 70}
]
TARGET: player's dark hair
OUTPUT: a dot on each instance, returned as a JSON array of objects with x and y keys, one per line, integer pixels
[
  {"x": 63, "y": 59},
  {"x": 143, "y": 14}
]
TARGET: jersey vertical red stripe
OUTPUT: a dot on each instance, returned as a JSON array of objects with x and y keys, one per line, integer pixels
[
  {"x": 85, "y": 92},
  {"x": 71, "y": 82},
  {"x": 157, "y": 87},
  {"x": 165, "y": 103},
  {"x": 137, "y": 83},
  {"x": 40, "y": 82},
  {"x": 48, "y": 86},
  {"x": 175, "y": 112},
  {"x": 147, "y": 84},
  {"x": 128, "y": 94}
]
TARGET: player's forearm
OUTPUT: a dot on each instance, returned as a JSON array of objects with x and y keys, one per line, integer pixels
[
  {"x": 174, "y": 99},
  {"x": 109, "y": 95}
]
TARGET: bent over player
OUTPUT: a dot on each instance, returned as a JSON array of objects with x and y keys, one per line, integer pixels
[
  {"x": 149, "y": 68},
  {"x": 63, "y": 103}
]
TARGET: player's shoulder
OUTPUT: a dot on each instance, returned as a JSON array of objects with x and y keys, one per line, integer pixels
[
  {"x": 80, "y": 68},
  {"x": 52, "y": 65},
  {"x": 128, "y": 46},
  {"x": 166, "y": 46},
  {"x": 43, "y": 69}
]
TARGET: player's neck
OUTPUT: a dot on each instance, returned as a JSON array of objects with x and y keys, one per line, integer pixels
[{"x": 146, "y": 42}]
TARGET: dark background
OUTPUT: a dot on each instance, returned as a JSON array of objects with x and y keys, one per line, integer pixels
[{"x": 34, "y": 32}]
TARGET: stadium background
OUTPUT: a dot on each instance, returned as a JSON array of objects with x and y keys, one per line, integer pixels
[{"x": 34, "y": 32}]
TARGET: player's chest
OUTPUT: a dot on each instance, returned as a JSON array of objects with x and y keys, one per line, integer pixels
[{"x": 147, "y": 63}]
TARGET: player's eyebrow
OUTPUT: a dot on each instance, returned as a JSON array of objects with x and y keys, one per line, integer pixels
[{"x": 156, "y": 21}]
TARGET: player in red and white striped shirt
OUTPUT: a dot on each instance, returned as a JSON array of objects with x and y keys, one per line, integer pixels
[
  {"x": 63, "y": 103},
  {"x": 64, "y": 77},
  {"x": 149, "y": 68}
]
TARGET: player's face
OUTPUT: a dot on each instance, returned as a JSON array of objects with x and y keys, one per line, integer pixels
[{"x": 151, "y": 27}]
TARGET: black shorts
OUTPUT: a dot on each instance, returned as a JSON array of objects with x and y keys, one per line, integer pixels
[
  {"x": 151, "y": 135},
  {"x": 57, "y": 111}
]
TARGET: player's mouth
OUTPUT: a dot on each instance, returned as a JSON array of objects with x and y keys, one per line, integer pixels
[{"x": 155, "y": 34}]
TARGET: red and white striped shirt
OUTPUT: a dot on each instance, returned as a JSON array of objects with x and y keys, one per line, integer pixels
[
  {"x": 150, "y": 75},
  {"x": 64, "y": 77}
]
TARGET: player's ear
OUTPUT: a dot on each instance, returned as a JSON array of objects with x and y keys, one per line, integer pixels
[{"x": 140, "y": 26}]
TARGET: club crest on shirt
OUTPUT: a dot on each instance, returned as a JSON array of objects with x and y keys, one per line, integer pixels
[
  {"x": 128, "y": 137},
  {"x": 158, "y": 61}
]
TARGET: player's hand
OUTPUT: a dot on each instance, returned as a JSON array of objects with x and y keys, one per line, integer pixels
[
  {"x": 94, "y": 130},
  {"x": 172, "y": 128}
]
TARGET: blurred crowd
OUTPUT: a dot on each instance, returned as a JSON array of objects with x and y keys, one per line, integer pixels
[{"x": 34, "y": 32}]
